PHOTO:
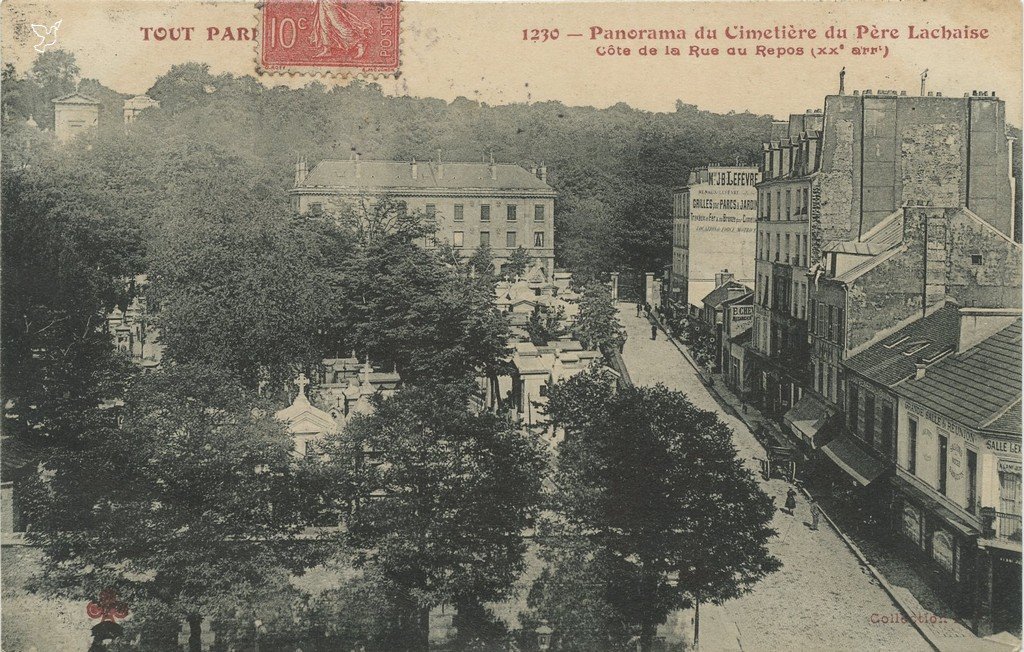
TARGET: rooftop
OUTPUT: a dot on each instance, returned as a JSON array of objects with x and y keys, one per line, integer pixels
[
  {"x": 895, "y": 358},
  {"x": 358, "y": 174},
  {"x": 979, "y": 387}
]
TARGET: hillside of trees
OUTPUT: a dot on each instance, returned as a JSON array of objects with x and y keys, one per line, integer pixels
[{"x": 614, "y": 168}]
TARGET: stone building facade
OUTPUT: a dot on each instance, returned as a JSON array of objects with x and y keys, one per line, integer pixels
[
  {"x": 501, "y": 206},
  {"x": 714, "y": 219},
  {"x": 835, "y": 179},
  {"x": 74, "y": 115}
]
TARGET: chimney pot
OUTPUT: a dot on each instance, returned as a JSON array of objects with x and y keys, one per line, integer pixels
[{"x": 919, "y": 369}]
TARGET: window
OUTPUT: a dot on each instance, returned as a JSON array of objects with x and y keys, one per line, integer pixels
[
  {"x": 943, "y": 461},
  {"x": 485, "y": 238},
  {"x": 510, "y": 211},
  {"x": 869, "y": 419},
  {"x": 459, "y": 213},
  {"x": 316, "y": 208},
  {"x": 831, "y": 323},
  {"x": 811, "y": 312},
  {"x": 972, "y": 481},
  {"x": 840, "y": 326},
  {"x": 787, "y": 243},
  {"x": 510, "y": 239},
  {"x": 538, "y": 213},
  {"x": 768, "y": 205},
  {"x": 976, "y": 259},
  {"x": 851, "y": 414},
  {"x": 458, "y": 239},
  {"x": 789, "y": 206},
  {"x": 485, "y": 212},
  {"x": 538, "y": 238},
  {"x": 887, "y": 434},
  {"x": 431, "y": 211},
  {"x": 778, "y": 245}
]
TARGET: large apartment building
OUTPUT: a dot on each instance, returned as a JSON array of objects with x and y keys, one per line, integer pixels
[
  {"x": 714, "y": 218},
  {"x": 498, "y": 205},
  {"x": 835, "y": 178}
]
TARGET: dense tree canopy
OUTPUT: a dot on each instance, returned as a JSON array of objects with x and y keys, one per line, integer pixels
[
  {"x": 193, "y": 498},
  {"x": 655, "y": 485},
  {"x": 444, "y": 495}
]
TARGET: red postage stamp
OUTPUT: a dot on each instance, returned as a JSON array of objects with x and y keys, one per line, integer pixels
[{"x": 329, "y": 36}]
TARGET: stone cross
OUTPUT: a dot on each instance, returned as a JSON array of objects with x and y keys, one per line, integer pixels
[{"x": 302, "y": 381}]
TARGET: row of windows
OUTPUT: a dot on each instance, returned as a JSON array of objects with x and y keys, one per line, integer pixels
[
  {"x": 789, "y": 249},
  {"x": 788, "y": 205},
  {"x": 511, "y": 239},
  {"x": 511, "y": 212}
]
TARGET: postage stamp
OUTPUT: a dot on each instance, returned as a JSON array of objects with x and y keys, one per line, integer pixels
[{"x": 325, "y": 36}]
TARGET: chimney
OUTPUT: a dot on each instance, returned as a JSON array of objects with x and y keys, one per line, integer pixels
[
  {"x": 415, "y": 170},
  {"x": 723, "y": 277},
  {"x": 842, "y": 81},
  {"x": 356, "y": 164},
  {"x": 919, "y": 369},
  {"x": 440, "y": 165},
  {"x": 494, "y": 168},
  {"x": 978, "y": 324},
  {"x": 924, "y": 81},
  {"x": 543, "y": 172},
  {"x": 300, "y": 170}
]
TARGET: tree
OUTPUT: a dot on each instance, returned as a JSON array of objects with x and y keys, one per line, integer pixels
[
  {"x": 67, "y": 251},
  {"x": 597, "y": 324},
  {"x": 546, "y": 325},
  {"x": 517, "y": 264},
  {"x": 482, "y": 261},
  {"x": 194, "y": 499},
  {"x": 409, "y": 306},
  {"x": 236, "y": 279},
  {"x": 655, "y": 484},
  {"x": 446, "y": 495},
  {"x": 55, "y": 74}
]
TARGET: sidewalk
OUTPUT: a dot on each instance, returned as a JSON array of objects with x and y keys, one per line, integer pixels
[{"x": 945, "y": 635}]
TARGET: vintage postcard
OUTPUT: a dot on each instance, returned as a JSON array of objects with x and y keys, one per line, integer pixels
[{"x": 397, "y": 325}]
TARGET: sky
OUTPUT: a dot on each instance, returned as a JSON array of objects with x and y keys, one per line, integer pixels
[{"x": 477, "y": 50}]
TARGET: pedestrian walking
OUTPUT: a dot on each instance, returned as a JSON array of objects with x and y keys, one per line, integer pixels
[
  {"x": 639, "y": 308},
  {"x": 815, "y": 513},
  {"x": 654, "y": 331},
  {"x": 790, "y": 501}
]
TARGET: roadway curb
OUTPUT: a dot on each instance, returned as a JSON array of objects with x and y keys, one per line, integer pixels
[{"x": 842, "y": 535}]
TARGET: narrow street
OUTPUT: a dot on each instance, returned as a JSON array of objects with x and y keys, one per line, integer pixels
[{"x": 822, "y": 598}]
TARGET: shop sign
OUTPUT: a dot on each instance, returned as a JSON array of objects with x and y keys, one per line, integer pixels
[
  {"x": 942, "y": 549},
  {"x": 1000, "y": 446},
  {"x": 912, "y": 523}
]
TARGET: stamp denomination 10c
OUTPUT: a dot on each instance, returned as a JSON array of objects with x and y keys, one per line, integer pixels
[{"x": 329, "y": 36}]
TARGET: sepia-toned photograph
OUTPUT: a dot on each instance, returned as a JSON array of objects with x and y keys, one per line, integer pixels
[{"x": 548, "y": 326}]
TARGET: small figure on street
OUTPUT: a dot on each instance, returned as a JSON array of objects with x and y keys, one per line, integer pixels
[
  {"x": 639, "y": 308},
  {"x": 654, "y": 331},
  {"x": 815, "y": 513},
  {"x": 790, "y": 501},
  {"x": 647, "y": 308}
]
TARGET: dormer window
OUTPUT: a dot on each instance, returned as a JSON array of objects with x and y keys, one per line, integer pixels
[
  {"x": 897, "y": 342},
  {"x": 915, "y": 346}
]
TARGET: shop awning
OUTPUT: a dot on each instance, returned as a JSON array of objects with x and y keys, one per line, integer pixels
[
  {"x": 807, "y": 418},
  {"x": 853, "y": 459}
]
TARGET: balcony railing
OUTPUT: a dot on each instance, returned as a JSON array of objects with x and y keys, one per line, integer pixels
[{"x": 1008, "y": 526}]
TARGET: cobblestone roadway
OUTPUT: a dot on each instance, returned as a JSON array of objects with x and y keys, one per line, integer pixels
[{"x": 821, "y": 599}]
